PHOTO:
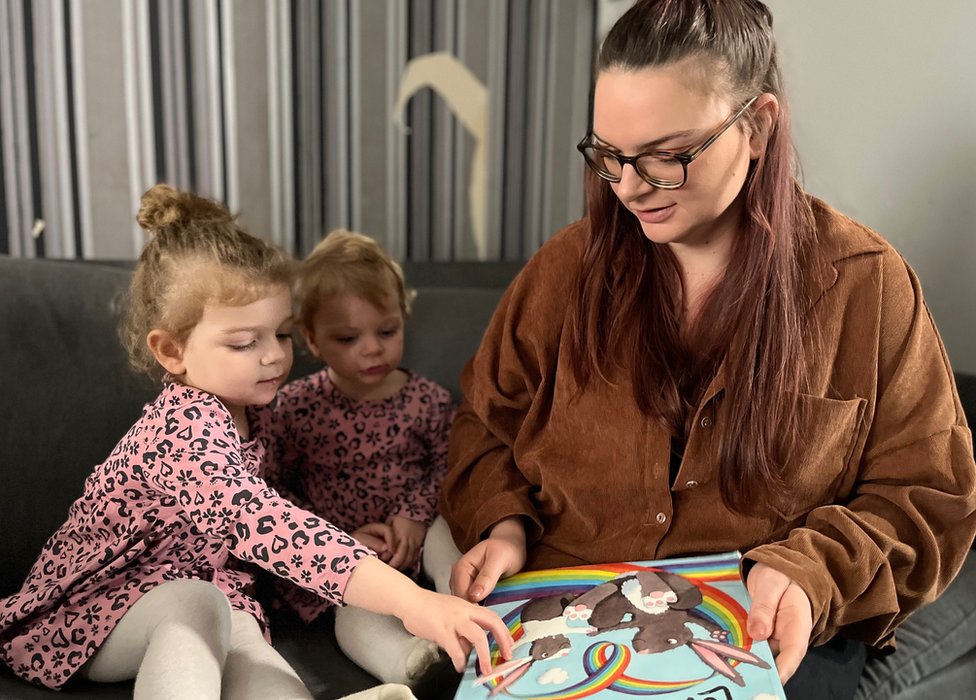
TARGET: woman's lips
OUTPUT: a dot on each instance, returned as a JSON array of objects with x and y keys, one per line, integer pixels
[{"x": 655, "y": 216}]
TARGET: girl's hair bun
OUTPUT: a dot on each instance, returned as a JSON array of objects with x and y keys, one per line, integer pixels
[{"x": 163, "y": 206}]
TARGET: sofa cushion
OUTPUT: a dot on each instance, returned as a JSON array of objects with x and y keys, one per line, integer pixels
[
  {"x": 934, "y": 645},
  {"x": 68, "y": 396}
]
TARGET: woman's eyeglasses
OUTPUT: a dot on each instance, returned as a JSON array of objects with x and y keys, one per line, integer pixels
[{"x": 662, "y": 169}]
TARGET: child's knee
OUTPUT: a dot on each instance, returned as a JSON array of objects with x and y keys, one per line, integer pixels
[
  {"x": 440, "y": 542},
  {"x": 440, "y": 554},
  {"x": 348, "y": 621},
  {"x": 196, "y": 604},
  {"x": 245, "y": 631}
]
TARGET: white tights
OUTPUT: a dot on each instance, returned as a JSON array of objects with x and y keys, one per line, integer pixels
[
  {"x": 181, "y": 640},
  {"x": 440, "y": 555},
  {"x": 379, "y": 643}
]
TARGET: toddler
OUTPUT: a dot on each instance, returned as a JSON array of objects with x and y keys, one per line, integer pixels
[
  {"x": 363, "y": 442},
  {"x": 141, "y": 580}
]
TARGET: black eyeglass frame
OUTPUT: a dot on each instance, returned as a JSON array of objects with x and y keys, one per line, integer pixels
[{"x": 683, "y": 158}]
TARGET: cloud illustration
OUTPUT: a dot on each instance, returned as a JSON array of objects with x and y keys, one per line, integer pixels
[{"x": 556, "y": 676}]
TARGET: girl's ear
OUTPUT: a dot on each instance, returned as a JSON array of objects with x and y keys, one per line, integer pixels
[
  {"x": 310, "y": 341},
  {"x": 168, "y": 352},
  {"x": 766, "y": 109}
]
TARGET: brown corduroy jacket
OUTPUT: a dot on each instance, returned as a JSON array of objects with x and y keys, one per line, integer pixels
[{"x": 883, "y": 510}]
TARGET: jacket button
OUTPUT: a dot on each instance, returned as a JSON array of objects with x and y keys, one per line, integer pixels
[
  {"x": 706, "y": 422},
  {"x": 661, "y": 517},
  {"x": 692, "y": 484}
]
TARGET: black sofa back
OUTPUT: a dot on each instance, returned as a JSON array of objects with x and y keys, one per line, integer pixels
[{"x": 68, "y": 395}]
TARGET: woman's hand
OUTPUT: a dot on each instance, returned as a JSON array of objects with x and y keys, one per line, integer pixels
[
  {"x": 408, "y": 538},
  {"x": 781, "y": 614},
  {"x": 456, "y": 625},
  {"x": 500, "y": 555},
  {"x": 378, "y": 537}
]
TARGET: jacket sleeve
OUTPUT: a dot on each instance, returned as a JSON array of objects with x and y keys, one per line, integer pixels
[
  {"x": 516, "y": 358},
  {"x": 905, "y": 531},
  {"x": 206, "y": 477}
]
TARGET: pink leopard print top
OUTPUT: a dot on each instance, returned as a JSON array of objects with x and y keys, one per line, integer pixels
[
  {"x": 178, "y": 496},
  {"x": 357, "y": 462}
]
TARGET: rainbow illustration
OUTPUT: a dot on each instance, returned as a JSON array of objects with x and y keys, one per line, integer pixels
[
  {"x": 578, "y": 579},
  {"x": 605, "y": 663},
  {"x": 614, "y": 661},
  {"x": 599, "y": 654}
]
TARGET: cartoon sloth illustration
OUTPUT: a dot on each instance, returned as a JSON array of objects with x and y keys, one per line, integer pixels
[
  {"x": 650, "y": 592},
  {"x": 545, "y": 629},
  {"x": 660, "y": 605}
]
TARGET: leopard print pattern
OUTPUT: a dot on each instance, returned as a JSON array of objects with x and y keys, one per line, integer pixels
[
  {"x": 357, "y": 462},
  {"x": 179, "y": 497}
]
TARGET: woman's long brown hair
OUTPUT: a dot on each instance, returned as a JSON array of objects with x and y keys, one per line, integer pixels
[{"x": 628, "y": 304}]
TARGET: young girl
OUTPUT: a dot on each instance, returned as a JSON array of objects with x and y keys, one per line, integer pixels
[
  {"x": 139, "y": 582},
  {"x": 363, "y": 442}
]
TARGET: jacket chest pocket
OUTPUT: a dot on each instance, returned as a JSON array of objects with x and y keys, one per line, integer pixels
[{"x": 828, "y": 434}]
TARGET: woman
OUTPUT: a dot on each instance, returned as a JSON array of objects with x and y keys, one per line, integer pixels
[{"x": 738, "y": 367}]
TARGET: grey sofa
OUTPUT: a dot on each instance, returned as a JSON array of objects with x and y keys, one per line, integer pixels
[{"x": 66, "y": 397}]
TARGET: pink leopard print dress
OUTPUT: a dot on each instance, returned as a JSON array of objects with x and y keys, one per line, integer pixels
[
  {"x": 357, "y": 462},
  {"x": 178, "y": 498}
]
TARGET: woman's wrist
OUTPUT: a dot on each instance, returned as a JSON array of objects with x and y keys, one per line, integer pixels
[{"x": 510, "y": 529}]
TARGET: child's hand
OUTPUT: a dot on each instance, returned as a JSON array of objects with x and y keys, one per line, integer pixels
[
  {"x": 378, "y": 537},
  {"x": 456, "y": 625},
  {"x": 408, "y": 538}
]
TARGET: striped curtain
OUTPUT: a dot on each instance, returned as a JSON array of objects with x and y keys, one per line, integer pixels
[{"x": 287, "y": 111}]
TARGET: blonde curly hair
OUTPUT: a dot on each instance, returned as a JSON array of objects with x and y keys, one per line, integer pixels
[
  {"x": 197, "y": 255},
  {"x": 348, "y": 263}
]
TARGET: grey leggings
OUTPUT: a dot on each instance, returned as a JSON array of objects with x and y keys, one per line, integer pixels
[
  {"x": 182, "y": 640},
  {"x": 379, "y": 643}
]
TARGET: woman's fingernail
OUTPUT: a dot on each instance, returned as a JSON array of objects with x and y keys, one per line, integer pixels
[{"x": 477, "y": 591}]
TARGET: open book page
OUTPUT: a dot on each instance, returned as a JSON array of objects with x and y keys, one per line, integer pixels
[{"x": 669, "y": 629}]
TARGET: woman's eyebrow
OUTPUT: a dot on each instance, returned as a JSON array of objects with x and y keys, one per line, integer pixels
[{"x": 650, "y": 145}]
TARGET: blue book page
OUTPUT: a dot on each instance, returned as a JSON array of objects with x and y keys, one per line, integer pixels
[{"x": 671, "y": 629}]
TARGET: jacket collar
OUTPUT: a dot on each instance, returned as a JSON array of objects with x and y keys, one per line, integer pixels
[{"x": 836, "y": 238}]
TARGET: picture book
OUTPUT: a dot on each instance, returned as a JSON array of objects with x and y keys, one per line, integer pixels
[{"x": 672, "y": 629}]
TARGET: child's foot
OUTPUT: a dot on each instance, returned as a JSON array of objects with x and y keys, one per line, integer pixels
[
  {"x": 394, "y": 691},
  {"x": 387, "y": 691},
  {"x": 428, "y": 669}
]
